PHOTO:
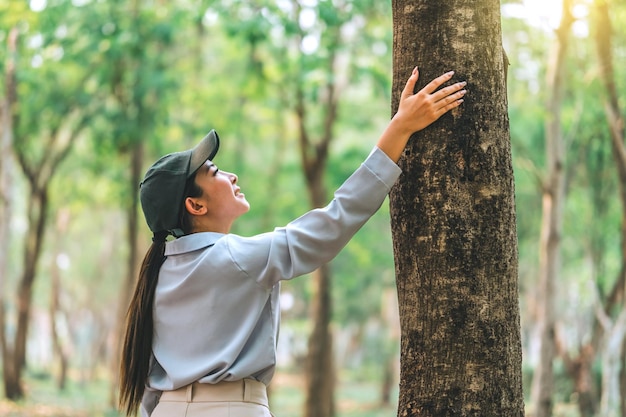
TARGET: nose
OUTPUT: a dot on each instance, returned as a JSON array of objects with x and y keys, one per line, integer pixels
[{"x": 233, "y": 178}]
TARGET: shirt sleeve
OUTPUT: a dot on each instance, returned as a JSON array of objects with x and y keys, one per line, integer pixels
[{"x": 317, "y": 237}]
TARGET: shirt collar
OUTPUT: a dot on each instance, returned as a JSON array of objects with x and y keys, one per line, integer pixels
[{"x": 192, "y": 242}]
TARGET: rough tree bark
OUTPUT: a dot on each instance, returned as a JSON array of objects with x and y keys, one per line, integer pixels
[
  {"x": 553, "y": 196},
  {"x": 453, "y": 221}
]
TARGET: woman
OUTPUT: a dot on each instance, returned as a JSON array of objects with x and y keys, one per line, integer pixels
[{"x": 203, "y": 323}]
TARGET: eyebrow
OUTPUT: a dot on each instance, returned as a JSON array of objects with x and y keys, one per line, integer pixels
[{"x": 209, "y": 166}]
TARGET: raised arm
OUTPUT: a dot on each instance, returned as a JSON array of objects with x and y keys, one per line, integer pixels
[{"x": 417, "y": 111}]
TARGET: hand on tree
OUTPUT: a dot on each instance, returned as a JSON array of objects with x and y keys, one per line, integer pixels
[{"x": 419, "y": 110}]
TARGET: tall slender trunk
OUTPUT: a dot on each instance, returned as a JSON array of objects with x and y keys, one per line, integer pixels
[
  {"x": 56, "y": 138},
  {"x": 38, "y": 204},
  {"x": 320, "y": 369},
  {"x": 603, "y": 37},
  {"x": 551, "y": 226},
  {"x": 11, "y": 389},
  {"x": 132, "y": 265},
  {"x": 56, "y": 309},
  {"x": 320, "y": 375},
  {"x": 611, "y": 354}
]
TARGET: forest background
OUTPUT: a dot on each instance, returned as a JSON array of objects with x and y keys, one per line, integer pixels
[{"x": 100, "y": 89}]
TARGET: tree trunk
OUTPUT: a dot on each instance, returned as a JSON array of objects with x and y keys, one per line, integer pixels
[
  {"x": 622, "y": 382},
  {"x": 611, "y": 358},
  {"x": 551, "y": 225},
  {"x": 37, "y": 208},
  {"x": 320, "y": 372},
  {"x": 38, "y": 171},
  {"x": 616, "y": 127},
  {"x": 39, "y": 175},
  {"x": 389, "y": 361},
  {"x": 320, "y": 369},
  {"x": 453, "y": 221},
  {"x": 579, "y": 369},
  {"x": 11, "y": 390},
  {"x": 603, "y": 37},
  {"x": 63, "y": 218},
  {"x": 132, "y": 264}
]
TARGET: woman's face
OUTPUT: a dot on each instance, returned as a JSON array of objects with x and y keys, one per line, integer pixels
[{"x": 222, "y": 196}]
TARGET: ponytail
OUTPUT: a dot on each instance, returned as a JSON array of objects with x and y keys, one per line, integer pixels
[{"x": 137, "y": 348}]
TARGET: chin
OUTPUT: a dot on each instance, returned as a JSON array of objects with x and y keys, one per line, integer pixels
[{"x": 245, "y": 207}]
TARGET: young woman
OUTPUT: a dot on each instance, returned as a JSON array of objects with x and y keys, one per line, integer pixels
[{"x": 203, "y": 323}]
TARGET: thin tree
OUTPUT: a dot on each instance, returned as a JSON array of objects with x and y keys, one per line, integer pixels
[
  {"x": 6, "y": 199},
  {"x": 319, "y": 365},
  {"x": 56, "y": 309},
  {"x": 56, "y": 144},
  {"x": 603, "y": 37},
  {"x": 454, "y": 223},
  {"x": 553, "y": 196},
  {"x": 139, "y": 89}
]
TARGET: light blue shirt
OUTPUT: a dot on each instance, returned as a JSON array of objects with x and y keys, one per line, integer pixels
[{"x": 216, "y": 307}]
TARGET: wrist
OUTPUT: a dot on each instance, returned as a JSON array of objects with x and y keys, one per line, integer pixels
[{"x": 399, "y": 128}]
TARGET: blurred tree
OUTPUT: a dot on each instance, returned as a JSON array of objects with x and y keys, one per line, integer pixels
[
  {"x": 316, "y": 108},
  {"x": 6, "y": 198},
  {"x": 57, "y": 313},
  {"x": 590, "y": 211},
  {"x": 309, "y": 61},
  {"x": 51, "y": 109},
  {"x": 614, "y": 353},
  {"x": 553, "y": 193},
  {"x": 453, "y": 222},
  {"x": 136, "y": 41}
]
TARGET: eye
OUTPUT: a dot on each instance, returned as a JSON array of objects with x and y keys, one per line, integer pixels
[{"x": 216, "y": 171}]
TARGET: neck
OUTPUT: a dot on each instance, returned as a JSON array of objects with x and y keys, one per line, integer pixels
[{"x": 212, "y": 226}]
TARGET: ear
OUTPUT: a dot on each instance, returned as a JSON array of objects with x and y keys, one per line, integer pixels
[{"x": 195, "y": 206}]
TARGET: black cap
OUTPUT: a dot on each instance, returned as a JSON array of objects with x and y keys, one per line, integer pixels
[{"x": 161, "y": 191}]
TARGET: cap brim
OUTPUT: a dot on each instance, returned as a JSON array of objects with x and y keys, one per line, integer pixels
[{"x": 206, "y": 149}]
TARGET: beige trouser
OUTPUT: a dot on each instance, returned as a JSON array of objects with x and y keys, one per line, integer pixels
[{"x": 246, "y": 398}]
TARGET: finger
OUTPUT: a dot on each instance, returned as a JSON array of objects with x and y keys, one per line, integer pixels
[
  {"x": 454, "y": 104},
  {"x": 434, "y": 84},
  {"x": 410, "y": 83},
  {"x": 447, "y": 91},
  {"x": 451, "y": 102}
]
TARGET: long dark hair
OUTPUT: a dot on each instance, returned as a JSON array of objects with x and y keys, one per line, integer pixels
[{"x": 137, "y": 347}]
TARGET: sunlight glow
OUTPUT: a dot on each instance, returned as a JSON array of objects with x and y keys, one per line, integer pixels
[
  {"x": 546, "y": 14},
  {"x": 38, "y": 5},
  {"x": 63, "y": 261},
  {"x": 310, "y": 44}
]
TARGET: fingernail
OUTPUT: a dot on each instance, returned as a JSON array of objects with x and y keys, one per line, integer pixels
[
  {"x": 450, "y": 74},
  {"x": 414, "y": 70},
  {"x": 464, "y": 83}
]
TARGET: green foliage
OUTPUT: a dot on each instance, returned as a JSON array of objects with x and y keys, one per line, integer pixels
[{"x": 164, "y": 73}]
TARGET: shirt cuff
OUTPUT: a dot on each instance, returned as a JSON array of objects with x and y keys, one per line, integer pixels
[{"x": 383, "y": 167}]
